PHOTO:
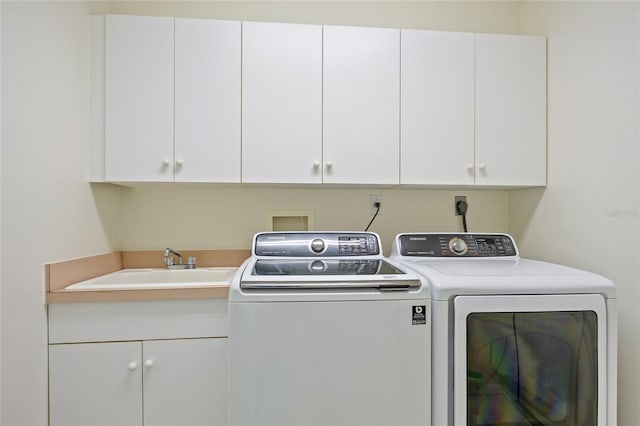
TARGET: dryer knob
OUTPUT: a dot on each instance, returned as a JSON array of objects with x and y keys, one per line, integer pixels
[
  {"x": 458, "y": 246},
  {"x": 317, "y": 245}
]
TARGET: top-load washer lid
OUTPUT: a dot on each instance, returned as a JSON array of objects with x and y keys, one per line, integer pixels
[
  {"x": 330, "y": 274},
  {"x": 315, "y": 267},
  {"x": 323, "y": 260}
]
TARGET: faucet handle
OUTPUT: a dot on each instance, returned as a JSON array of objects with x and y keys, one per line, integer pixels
[
  {"x": 168, "y": 261},
  {"x": 191, "y": 262}
]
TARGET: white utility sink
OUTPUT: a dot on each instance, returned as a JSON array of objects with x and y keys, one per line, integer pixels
[{"x": 135, "y": 279}]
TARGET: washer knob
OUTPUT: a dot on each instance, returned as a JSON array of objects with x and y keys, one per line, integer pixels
[
  {"x": 317, "y": 245},
  {"x": 458, "y": 246}
]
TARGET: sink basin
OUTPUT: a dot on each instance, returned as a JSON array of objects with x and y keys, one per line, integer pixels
[{"x": 135, "y": 279}]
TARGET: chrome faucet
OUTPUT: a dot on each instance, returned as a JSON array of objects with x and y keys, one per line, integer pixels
[
  {"x": 168, "y": 260},
  {"x": 170, "y": 263}
]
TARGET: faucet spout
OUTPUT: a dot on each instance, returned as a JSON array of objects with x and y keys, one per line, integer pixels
[{"x": 168, "y": 259}]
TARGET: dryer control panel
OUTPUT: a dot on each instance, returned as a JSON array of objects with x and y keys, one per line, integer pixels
[{"x": 456, "y": 245}]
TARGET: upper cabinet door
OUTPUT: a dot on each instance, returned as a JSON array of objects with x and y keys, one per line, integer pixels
[
  {"x": 139, "y": 98},
  {"x": 361, "y": 109},
  {"x": 207, "y": 100},
  {"x": 437, "y": 119},
  {"x": 511, "y": 110},
  {"x": 281, "y": 103}
]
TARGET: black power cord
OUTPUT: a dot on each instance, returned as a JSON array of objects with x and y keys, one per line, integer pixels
[
  {"x": 377, "y": 206},
  {"x": 461, "y": 208}
]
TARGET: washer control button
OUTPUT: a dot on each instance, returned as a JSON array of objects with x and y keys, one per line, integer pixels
[
  {"x": 318, "y": 266},
  {"x": 458, "y": 246},
  {"x": 317, "y": 245}
]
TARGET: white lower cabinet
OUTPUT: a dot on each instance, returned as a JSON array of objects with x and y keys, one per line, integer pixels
[
  {"x": 95, "y": 384},
  {"x": 173, "y": 373},
  {"x": 185, "y": 382},
  {"x": 159, "y": 382}
]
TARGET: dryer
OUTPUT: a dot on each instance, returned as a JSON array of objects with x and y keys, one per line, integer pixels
[{"x": 514, "y": 341}]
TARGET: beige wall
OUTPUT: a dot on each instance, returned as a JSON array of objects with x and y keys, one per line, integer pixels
[
  {"x": 49, "y": 212},
  {"x": 212, "y": 217},
  {"x": 480, "y": 16},
  {"x": 589, "y": 210}
]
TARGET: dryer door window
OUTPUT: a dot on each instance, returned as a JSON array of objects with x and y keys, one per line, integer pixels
[{"x": 531, "y": 361}]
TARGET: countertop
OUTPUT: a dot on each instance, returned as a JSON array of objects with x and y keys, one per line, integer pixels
[{"x": 60, "y": 275}]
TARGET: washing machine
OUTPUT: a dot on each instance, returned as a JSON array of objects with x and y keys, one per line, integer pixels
[
  {"x": 514, "y": 341},
  {"x": 325, "y": 331}
]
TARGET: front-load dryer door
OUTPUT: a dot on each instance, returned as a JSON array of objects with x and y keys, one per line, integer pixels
[{"x": 530, "y": 360}]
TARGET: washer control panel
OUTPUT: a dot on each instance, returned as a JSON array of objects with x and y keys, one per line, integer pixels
[
  {"x": 456, "y": 245},
  {"x": 320, "y": 244}
]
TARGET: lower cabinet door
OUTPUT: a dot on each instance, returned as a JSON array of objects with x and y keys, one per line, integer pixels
[
  {"x": 185, "y": 382},
  {"x": 95, "y": 384}
]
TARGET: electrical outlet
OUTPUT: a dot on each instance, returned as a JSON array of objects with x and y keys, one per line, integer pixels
[
  {"x": 372, "y": 207},
  {"x": 455, "y": 203}
]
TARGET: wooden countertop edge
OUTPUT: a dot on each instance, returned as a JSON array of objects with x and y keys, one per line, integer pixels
[
  {"x": 70, "y": 296},
  {"x": 60, "y": 275}
]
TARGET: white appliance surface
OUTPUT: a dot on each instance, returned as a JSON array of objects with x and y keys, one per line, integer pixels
[
  {"x": 453, "y": 277},
  {"x": 483, "y": 273},
  {"x": 341, "y": 341}
]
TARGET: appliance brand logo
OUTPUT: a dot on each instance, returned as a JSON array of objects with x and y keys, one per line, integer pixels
[
  {"x": 417, "y": 238},
  {"x": 275, "y": 238},
  {"x": 418, "y": 314}
]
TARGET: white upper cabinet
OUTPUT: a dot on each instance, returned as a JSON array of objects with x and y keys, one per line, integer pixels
[
  {"x": 146, "y": 383},
  {"x": 195, "y": 100},
  {"x": 281, "y": 103},
  {"x": 437, "y": 120},
  {"x": 361, "y": 105},
  {"x": 172, "y": 100},
  {"x": 139, "y": 98},
  {"x": 207, "y": 101},
  {"x": 511, "y": 108}
]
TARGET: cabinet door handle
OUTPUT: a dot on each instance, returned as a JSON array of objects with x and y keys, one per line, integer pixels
[
  {"x": 316, "y": 164},
  {"x": 179, "y": 162},
  {"x": 148, "y": 363},
  {"x": 166, "y": 162},
  {"x": 329, "y": 164},
  {"x": 482, "y": 167},
  {"x": 470, "y": 167},
  {"x": 133, "y": 366}
]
